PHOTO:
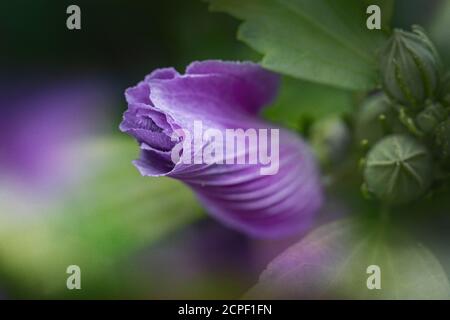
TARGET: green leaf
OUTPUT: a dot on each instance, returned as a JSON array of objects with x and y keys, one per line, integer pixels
[
  {"x": 324, "y": 41},
  {"x": 300, "y": 100},
  {"x": 387, "y": 11},
  {"x": 332, "y": 262},
  {"x": 107, "y": 214}
]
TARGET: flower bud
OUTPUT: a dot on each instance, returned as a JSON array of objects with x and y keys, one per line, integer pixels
[
  {"x": 203, "y": 128},
  {"x": 376, "y": 118},
  {"x": 410, "y": 68},
  {"x": 428, "y": 119},
  {"x": 442, "y": 139},
  {"x": 330, "y": 139},
  {"x": 398, "y": 169}
]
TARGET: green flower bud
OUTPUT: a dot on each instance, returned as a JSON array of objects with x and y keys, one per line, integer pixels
[
  {"x": 410, "y": 68},
  {"x": 442, "y": 142},
  {"x": 428, "y": 119},
  {"x": 398, "y": 169},
  {"x": 375, "y": 119},
  {"x": 330, "y": 139}
]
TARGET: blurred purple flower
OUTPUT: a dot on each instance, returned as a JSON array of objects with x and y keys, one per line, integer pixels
[
  {"x": 224, "y": 95},
  {"x": 300, "y": 272},
  {"x": 40, "y": 118}
]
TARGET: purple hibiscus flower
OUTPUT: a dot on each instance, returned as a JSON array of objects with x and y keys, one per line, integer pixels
[{"x": 262, "y": 198}]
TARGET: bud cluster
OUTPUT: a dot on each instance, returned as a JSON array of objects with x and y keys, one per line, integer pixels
[{"x": 407, "y": 124}]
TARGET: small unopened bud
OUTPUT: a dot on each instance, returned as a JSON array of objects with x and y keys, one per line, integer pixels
[
  {"x": 428, "y": 119},
  {"x": 410, "y": 68},
  {"x": 375, "y": 119},
  {"x": 398, "y": 169},
  {"x": 330, "y": 139}
]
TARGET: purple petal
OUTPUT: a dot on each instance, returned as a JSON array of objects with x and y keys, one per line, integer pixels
[
  {"x": 257, "y": 87},
  {"x": 306, "y": 270}
]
